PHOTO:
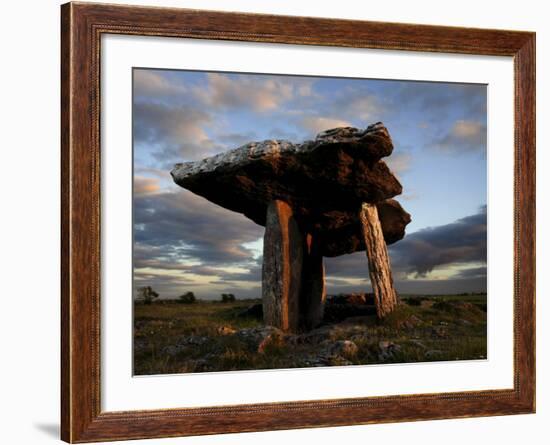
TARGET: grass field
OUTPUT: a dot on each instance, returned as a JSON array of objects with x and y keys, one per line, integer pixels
[{"x": 170, "y": 337}]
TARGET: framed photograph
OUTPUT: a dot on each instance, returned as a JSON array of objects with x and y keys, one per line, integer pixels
[{"x": 274, "y": 222}]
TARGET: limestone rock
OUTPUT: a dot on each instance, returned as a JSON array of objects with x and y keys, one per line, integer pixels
[
  {"x": 260, "y": 338},
  {"x": 226, "y": 330},
  {"x": 387, "y": 350},
  {"x": 324, "y": 181},
  {"x": 343, "y": 348}
]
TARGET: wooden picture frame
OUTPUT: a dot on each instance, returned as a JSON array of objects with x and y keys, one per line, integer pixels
[{"x": 82, "y": 25}]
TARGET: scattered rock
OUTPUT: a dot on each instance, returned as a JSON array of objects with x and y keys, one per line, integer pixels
[
  {"x": 174, "y": 349},
  {"x": 314, "y": 336},
  {"x": 409, "y": 323},
  {"x": 351, "y": 299},
  {"x": 260, "y": 338},
  {"x": 194, "y": 340},
  {"x": 314, "y": 361},
  {"x": 433, "y": 353},
  {"x": 440, "y": 332},
  {"x": 152, "y": 327},
  {"x": 226, "y": 330},
  {"x": 184, "y": 343},
  {"x": 200, "y": 365},
  {"x": 418, "y": 343},
  {"x": 343, "y": 348},
  {"x": 458, "y": 308},
  {"x": 140, "y": 344},
  {"x": 338, "y": 361},
  {"x": 388, "y": 350}
]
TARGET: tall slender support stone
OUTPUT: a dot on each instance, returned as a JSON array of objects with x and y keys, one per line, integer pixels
[
  {"x": 312, "y": 299},
  {"x": 381, "y": 279},
  {"x": 282, "y": 267}
]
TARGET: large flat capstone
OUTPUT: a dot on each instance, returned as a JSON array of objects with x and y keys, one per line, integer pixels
[{"x": 324, "y": 181}]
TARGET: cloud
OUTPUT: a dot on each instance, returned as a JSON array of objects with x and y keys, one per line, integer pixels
[
  {"x": 182, "y": 238},
  {"x": 464, "y": 135},
  {"x": 155, "y": 123},
  {"x": 145, "y": 186},
  {"x": 359, "y": 105},
  {"x": 417, "y": 286},
  {"x": 176, "y": 121},
  {"x": 316, "y": 124},
  {"x": 237, "y": 139},
  {"x": 173, "y": 133},
  {"x": 193, "y": 227},
  {"x": 467, "y": 129},
  {"x": 454, "y": 250},
  {"x": 463, "y": 241},
  {"x": 343, "y": 108},
  {"x": 439, "y": 98},
  {"x": 279, "y": 133},
  {"x": 253, "y": 275},
  {"x": 473, "y": 272},
  {"x": 399, "y": 163},
  {"x": 261, "y": 93},
  {"x": 154, "y": 85},
  {"x": 184, "y": 241}
]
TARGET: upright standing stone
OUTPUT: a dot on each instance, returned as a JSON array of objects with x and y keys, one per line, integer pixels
[
  {"x": 282, "y": 267},
  {"x": 312, "y": 299},
  {"x": 381, "y": 279}
]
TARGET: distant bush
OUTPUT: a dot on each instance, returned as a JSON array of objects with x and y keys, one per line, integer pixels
[
  {"x": 146, "y": 295},
  {"x": 228, "y": 298},
  {"x": 413, "y": 301},
  {"x": 187, "y": 298}
]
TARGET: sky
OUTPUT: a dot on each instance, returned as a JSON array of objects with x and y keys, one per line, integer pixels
[{"x": 182, "y": 242}]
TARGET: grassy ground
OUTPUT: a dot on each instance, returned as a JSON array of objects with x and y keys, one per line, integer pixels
[{"x": 212, "y": 336}]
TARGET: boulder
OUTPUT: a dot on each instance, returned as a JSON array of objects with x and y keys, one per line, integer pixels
[
  {"x": 258, "y": 339},
  {"x": 343, "y": 348}
]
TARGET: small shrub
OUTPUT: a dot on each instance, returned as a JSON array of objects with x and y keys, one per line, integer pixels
[
  {"x": 445, "y": 306},
  {"x": 228, "y": 298},
  {"x": 413, "y": 301},
  {"x": 187, "y": 298}
]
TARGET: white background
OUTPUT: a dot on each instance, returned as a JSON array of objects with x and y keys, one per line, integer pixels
[{"x": 30, "y": 224}]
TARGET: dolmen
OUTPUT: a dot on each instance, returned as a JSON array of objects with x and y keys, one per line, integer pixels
[{"x": 321, "y": 198}]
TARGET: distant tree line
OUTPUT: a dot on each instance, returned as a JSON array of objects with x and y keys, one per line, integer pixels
[{"x": 147, "y": 295}]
